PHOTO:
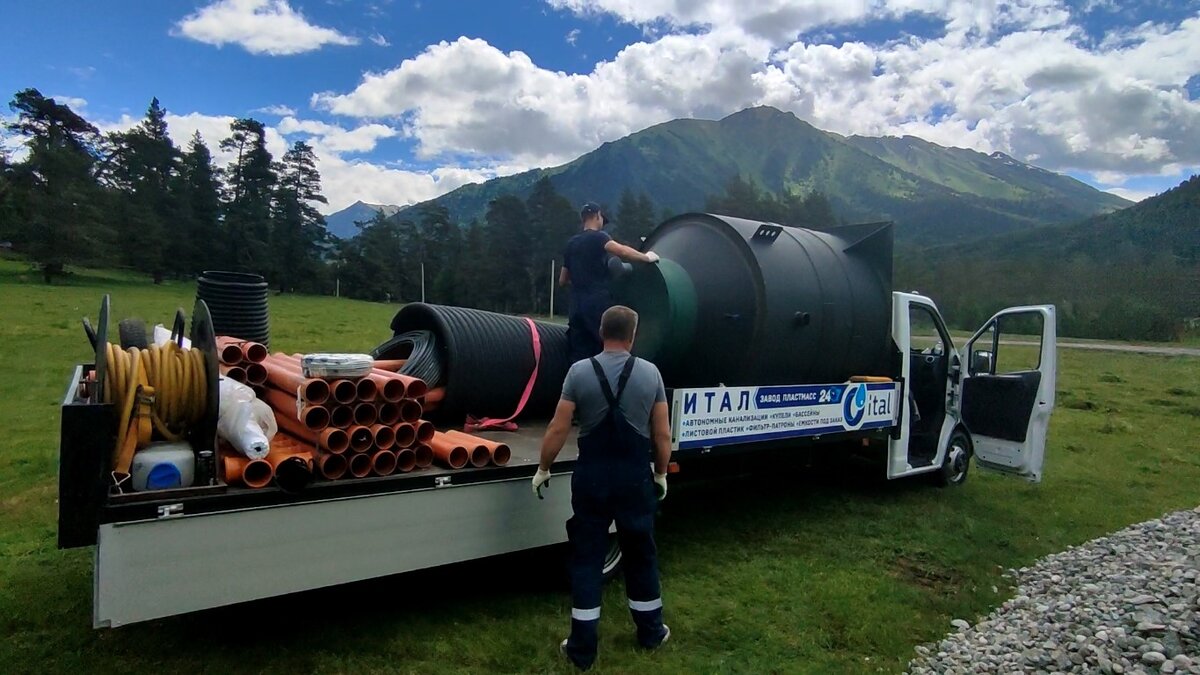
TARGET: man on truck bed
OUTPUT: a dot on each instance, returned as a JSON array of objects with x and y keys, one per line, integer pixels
[
  {"x": 612, "y": 480},
  {"x": 585, "y": 268}
]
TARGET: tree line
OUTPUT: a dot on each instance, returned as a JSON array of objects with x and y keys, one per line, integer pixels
[{"x": 136, "y": 200}]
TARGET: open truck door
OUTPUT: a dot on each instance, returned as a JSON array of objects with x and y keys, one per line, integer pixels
[{"x": 1007, "y": 390}]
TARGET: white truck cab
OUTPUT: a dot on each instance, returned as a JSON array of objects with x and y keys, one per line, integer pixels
[{"x": 992, "y": 399}]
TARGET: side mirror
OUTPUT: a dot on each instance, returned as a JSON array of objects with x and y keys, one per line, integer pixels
[{"x": 981, "y": 361}]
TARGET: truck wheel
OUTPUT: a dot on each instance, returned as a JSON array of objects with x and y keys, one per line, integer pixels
[
  {"x": 133, "y": 334},
  {"x": 957, "y": 463},
  {"x": 612, "y": 559}
]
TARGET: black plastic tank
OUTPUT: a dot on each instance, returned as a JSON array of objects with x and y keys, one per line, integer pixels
[{"x": 740, "y": 302}]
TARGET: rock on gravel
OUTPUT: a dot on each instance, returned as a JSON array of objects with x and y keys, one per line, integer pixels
[{"x": 1125, "y": 603}]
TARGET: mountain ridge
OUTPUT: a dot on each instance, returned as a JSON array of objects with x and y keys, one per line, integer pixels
[{"x": 933, "y": 193}]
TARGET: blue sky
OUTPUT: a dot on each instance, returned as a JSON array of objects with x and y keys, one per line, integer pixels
[{"x": 406, "y": 99}]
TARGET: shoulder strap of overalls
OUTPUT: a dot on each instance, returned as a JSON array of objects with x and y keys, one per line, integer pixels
[{"x": 621, "y": 382}]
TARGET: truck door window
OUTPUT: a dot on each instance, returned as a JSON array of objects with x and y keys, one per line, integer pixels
[
  {"x": 928, "y": 334},
  {"x": 1020, "y": 348}
]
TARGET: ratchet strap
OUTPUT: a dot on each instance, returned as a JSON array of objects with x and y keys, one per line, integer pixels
[{"x": 507, "y": 424}]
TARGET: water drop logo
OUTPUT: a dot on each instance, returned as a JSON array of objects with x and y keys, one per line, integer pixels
[{"x": 854, "y": 406}]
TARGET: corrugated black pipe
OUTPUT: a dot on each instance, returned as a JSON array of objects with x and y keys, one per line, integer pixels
[
  {"x": 487, "y": 359},
  {"x": 238, "y": 304}
]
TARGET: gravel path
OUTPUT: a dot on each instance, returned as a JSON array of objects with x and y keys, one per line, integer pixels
[{"x": 1125, "y": 603}]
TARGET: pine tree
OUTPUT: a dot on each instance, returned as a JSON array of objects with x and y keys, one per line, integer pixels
[
  {"x": 298, "y": 229},
  {"x": 145, "y": 167},
  {"x": 552, "y": 222},
  {"x": 55, "y": 183},
  {"x": 198, "y": 194},
  {"x": 508, "y": 239},
  {"x": 249, "y": 187}
]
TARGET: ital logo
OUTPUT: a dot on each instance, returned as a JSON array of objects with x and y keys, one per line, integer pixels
[{"x": 854, "y": 405}]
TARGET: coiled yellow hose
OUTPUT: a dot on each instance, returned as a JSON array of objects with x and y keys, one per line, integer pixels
[{"x": 161, "y": 388}]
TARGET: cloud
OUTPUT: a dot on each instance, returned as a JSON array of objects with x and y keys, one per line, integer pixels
[
  {"x": 343, "y": 181},
  {"x": 74, "y": 102},
  {"x": 335, "y": 138},
  {"x": 259, "y": 26},
  {"x": 277, "y": 110},
  {"x": 1132, "y": 195},
  {"x": 380, "y": 40},
  {"x": 573, "y": 36},
  {"x": 468, "y": 98}
]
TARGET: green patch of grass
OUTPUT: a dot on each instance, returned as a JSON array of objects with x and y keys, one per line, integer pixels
[
  {"x": 787, "y": 570},
  {"x": 1180, "y": 391}
]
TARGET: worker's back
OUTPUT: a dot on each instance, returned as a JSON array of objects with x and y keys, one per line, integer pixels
[
  {"x": 643, "y": 389},
  {"x": 587, "y": 261}
]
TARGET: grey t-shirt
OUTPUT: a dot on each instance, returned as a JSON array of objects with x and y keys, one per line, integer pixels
[{"x": 644, "y": 389}]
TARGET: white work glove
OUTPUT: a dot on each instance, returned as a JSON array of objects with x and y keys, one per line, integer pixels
[
  {"x": 653, "y": 257},
  {"x": 660, "y": 485},
  {"x": 542, "y": 477}
]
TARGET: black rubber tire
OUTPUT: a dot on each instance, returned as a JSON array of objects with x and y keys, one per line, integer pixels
[
  {"x": 957, "y": 464},
  {"x": 612, "y": 559},
  {"x": 133, "y": 333}
]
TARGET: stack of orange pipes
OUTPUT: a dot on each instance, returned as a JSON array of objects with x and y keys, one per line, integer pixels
[
  {"x": 373, "y": 422},
  {"x": 242, "y": 360}
]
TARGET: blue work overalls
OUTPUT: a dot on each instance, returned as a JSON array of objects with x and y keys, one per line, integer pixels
[{"x": 612, "y": 481}]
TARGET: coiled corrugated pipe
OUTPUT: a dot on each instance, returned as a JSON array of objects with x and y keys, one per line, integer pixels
[
  {"x": 420, "y": 351},
  {"x": 487, "y": 359},
  {"x": 238, "y": 304}
]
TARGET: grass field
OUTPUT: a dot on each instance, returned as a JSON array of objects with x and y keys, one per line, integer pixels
[{"x": 778, "y": 572}]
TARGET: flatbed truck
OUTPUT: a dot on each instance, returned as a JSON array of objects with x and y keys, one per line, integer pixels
[{"x": 939, "y": 410}]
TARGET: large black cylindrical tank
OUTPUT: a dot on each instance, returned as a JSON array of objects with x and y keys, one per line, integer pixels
[{"x": 741, "y": 302}]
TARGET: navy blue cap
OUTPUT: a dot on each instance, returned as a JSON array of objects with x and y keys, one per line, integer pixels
[{"x": 590, "y": 209}]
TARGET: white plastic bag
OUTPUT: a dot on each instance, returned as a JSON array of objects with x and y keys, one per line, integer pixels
[
  {"x": 337, "y": 365},
  {"x": 245, "y": 422}
]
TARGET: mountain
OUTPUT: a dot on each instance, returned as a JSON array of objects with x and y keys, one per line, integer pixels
[
  {"x": 1132, "y": 274},
  {"x": 1164, "y": 225},
  {"x": 341, "y": 223},
  {"x": 934, "y": 194}
]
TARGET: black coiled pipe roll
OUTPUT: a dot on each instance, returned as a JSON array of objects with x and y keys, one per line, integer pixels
[
  {"x": 487, "y": 359},
  {"x": 237, "y": 302}
]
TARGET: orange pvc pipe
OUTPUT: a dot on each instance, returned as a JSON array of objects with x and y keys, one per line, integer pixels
[
  {"x": 341, "y": 416},
  {"x": 388, "y": 413},
  {"x": 330, "y": 466},
  {"x": 256, "y": 374},
  {"x": 383, "y": 463},
  {"x": 361, "y": 438},
  {"x": 292, "y": 462},
  {"x": 365, "y": 414},
  {"x": 435, "y": 396},
  {"x": 343, "y": 391},
  {"x": 360, "y": 465},
  {"x": 333, "y": 439},
  {"x": 406, "y": 460},
  {"x": 410, "y": 411},
  {"x": 314, "y": 417},
  {"x": 414, "y": 388},
  {"x": 228, "y": 353},
  {"x": 366, "y": 389},
  {"x": 405, "y": 435},
  {"x": 385, "y": 437},
  {"x": 391, "y": 365},
  {"x": 253, "y": 473},
  {"x": 311, "y": 389},
  {"x": 498, "y": 453},
  {"x": 448, "y": 452},
  {"x": 424, "y": 455},
  {"x": 389, "y": 389},
  {"x": 235, "y": 373},
  {"x": 251, "y": 352},
  {"x": 425, "y": 431}
]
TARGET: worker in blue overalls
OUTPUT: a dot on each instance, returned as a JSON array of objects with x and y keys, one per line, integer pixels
[
  {"x": 622, "y": 409},
  {"x": 585, "y": 268}
]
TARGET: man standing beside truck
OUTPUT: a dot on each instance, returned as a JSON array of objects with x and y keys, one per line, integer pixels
[
  {"x": 624, "y": 450},
  {"x": 585, "y": 268}
]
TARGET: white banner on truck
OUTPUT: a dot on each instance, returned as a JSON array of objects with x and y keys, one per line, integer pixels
[{"x": 728, "y": 415}]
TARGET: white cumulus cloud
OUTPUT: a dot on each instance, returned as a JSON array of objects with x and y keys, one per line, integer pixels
[
  {"x": 277, "y": 110},
  {"x": 259, "y": 26}
]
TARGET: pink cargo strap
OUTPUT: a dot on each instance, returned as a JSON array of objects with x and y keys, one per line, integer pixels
[{"x": 507, "y": 424}]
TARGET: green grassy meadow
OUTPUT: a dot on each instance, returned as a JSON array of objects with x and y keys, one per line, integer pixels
[{"x": 787, "y": 571}]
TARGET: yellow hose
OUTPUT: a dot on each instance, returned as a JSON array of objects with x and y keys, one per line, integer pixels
[{"x": 161, "y": 388}]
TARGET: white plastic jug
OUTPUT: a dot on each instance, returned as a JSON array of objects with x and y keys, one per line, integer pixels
[{"x": 161, "y": 466}]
